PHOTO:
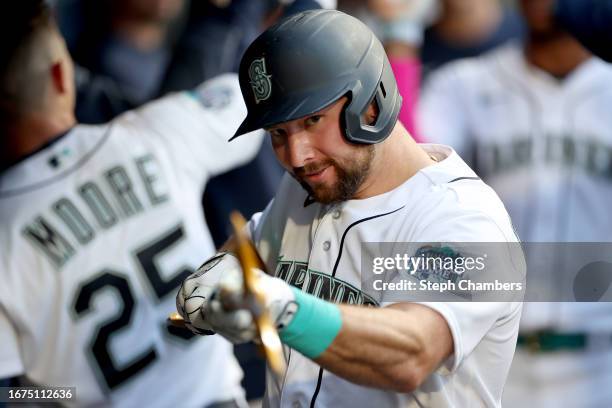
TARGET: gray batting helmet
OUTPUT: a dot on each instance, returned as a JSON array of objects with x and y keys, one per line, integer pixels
[{"x": 310, "y": 60}]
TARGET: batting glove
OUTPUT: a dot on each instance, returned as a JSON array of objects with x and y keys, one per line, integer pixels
[
  {"x": 220, "y": 308},
  {"x": 197, "y": 289}
]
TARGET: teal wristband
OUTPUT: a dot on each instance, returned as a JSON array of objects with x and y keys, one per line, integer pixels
[{"x": 314, "y": 326}]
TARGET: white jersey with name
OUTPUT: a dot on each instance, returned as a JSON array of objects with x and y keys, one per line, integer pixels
[
  {"x": 97, "y": 231},
  {"x": 318, "y": 248}
]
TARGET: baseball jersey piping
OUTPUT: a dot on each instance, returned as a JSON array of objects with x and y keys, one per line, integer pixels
[
  {"x": 463, "y": 178},
  {"x": 53, "y": 179},
  {"x": 320, "y": 379},
  {"x": 349, "y": 228},
  {"x": 51, "y": 142}
]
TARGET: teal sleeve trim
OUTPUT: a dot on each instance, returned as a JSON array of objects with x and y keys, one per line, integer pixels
[{"x": 314, "y": 327}]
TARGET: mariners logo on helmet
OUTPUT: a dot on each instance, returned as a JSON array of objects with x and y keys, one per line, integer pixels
[{"x": 260, "y": 81}]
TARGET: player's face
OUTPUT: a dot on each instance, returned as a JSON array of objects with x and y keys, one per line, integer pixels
[
  {"x": 314, "y": 151},
  {"x": 539, "y": 17}
]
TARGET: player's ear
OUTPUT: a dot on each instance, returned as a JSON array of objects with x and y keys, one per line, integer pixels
[
  {"x": 371, "y": 114},
  {"x": 59, "y": 77}
]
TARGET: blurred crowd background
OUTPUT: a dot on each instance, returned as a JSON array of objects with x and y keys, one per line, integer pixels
[{"x": 131, "y": 51}]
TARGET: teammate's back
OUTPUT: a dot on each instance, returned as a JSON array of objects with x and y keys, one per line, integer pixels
[{"x": 98, "y": 227}]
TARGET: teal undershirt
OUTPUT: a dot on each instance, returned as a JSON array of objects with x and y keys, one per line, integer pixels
[{"x": 314, "y": 327}]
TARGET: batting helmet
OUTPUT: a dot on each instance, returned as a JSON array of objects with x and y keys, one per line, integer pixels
[{"x": 310, "y": 60}]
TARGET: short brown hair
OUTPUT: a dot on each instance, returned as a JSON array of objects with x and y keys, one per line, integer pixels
[{"x": 26, "y": 25}]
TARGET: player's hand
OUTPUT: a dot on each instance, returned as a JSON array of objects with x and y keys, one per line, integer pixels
[
  {"x": 227, "y": 311},
  {"x": 222, "y": 308},
  {"x": 197, "y": 289}
]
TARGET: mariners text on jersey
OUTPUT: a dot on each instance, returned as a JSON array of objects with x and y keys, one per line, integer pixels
[{"x": 321, "y": 284}]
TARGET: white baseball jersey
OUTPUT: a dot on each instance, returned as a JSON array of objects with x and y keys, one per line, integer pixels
[
  {"x": 98, "y": 230},
  {"x": 318, "y": 248},
  {"x": 545, "y": 145}
]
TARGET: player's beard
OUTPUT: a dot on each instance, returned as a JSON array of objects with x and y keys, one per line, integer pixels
[{"x": 350, "y": 176}]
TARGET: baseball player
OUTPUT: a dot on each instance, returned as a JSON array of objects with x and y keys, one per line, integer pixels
[
  {"x": 99, "y": 225},
  {"x": 535, "y": 119},
  {"x": 321, "y": 84}
]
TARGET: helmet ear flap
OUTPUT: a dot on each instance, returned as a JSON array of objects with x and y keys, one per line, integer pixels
[
  {"x": 388, "y": 101},
  {"x": 362, "y": 123}
]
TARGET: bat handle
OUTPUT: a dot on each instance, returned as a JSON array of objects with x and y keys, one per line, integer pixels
[{"x": 176, "y": 320}]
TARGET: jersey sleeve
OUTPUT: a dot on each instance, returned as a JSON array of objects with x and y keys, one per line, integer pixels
[
  {"x": 470, "y": 321},
  {"x": 441, "y": 114},
  {"x": 10, "y": 358},
  {"x": 193, "y": 128}
]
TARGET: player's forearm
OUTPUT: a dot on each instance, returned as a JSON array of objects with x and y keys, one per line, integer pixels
[
  {"x": 378, "y": 347},
  {"x": 392, "y": 348}
]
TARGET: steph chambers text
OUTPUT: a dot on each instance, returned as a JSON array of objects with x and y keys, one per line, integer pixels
[{"x": 446, "y": 286}]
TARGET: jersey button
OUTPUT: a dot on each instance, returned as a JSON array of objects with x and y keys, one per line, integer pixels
[
  {"x": 336, "y": 214},
  {"x": 326, "y": 245}
]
